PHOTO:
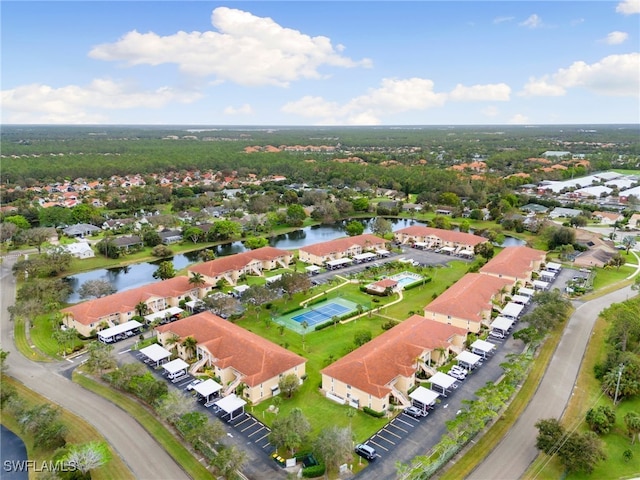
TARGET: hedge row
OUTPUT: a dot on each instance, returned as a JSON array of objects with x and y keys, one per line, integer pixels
[
  {"x": 313, "y": 471},
  {"x": 417, "y": 284},
  {"x": 372, "y": 412}
]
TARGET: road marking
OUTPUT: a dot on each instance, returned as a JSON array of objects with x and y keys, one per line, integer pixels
[
  {"x": 262, "y": 438},
  {"x": 395, "y": 426},
  {"x": 379, "y": 446},
  {"x": 124, "y": 351},
  {"x": 391, "y": 433},
  {"x": 240, "y": 423},
  {"x": 250, "y": 426},
  {"x": 252, "y": 434},
  {"x": 412, "y": 425}
]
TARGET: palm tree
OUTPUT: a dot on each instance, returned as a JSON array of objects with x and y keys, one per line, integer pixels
[
  {"x": 142, "y": 309},
  {"x": 172, "y": 340},
  {"x": 196, "y": 279},
  {"x": 190, "y": 345}
]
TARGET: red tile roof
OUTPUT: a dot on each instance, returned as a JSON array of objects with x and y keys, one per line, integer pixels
[
  {"x": 386, "y": 283},
  {"x": 256, "y": 358},
  {"x": 343, "y": 244},
  {"x": 92, "y": 310},
  {"x": 238, "y": 261},
  {"x": 515, "y": 262},
  {"x": 468, "y": 297},
  {"x": 373, "y": 366},
  {"x": 446, "y": 235}
]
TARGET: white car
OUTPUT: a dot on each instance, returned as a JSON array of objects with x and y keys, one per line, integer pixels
[
  {"x": 193, "y": 384},
  {"x": 457, "y": 374},
  {"x": 459, "y": 369},
  {"x": 496, "y": 334}
]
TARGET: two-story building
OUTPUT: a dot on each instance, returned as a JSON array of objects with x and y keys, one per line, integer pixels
[
  {"x": 320, "y": 253},
  {"x": 515, "y": 263},
  {"x": 238, "y": 357},
  {"x": 438, "y": 238}
]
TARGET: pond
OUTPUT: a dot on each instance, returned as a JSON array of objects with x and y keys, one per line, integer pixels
[
  {"x": 13, "y": 455},
  {"x": 136, "y": 275}
]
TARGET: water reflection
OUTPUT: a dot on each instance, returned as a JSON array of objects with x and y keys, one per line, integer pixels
[{"x": 132, "y": 276}]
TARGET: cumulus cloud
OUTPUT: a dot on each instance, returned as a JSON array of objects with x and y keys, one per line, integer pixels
[
  {"x": 393, "y": 96},
  {"x": 244, "y": 49},
  {"x": 503, "y": 19},
  {"x": 616, "y": 38},
  {"x": 519, "y": 119},
  {"x": 38, "y": 103},
  {"x": 499, "y": 92},
  {"x": 615, "y": 75},
  {"x": 534, "y": 21},
  {"x": 628, "y": 7},
  {"x": 244, "y": 109}
]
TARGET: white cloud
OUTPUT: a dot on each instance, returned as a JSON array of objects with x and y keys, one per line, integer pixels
[
  {"x": 245, "y": 49},
  {"x": 616, "y": 38},
  {"x": 38, "y": 103},
  {"x": 628, "y": 7},
  {"x": 244, "y": 109},
  {"x": 615, "y": 75},
  {"x": 534, "y": 21},
  {"x": 519, "y": 119},
  {"x": 491, "y": 111},
  {"x": 503, "y": 19},
  {"x": 499, "y": 92}
]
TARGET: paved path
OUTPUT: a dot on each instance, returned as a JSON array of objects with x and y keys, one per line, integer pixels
[
  {"x": 140, "y": 451},
  {"x": 513, "y": 455}
]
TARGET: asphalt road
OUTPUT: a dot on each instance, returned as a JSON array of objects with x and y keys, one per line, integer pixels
[
  {"x": 513, "y": 455},
  {"x": 140, "y": 451}
]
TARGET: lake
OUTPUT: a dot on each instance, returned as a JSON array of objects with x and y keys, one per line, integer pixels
[
  {"x": 13, "y": 452},
  {"x": 136, "y": 275}
]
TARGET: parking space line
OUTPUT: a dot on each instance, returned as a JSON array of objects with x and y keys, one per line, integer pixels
[
  {"x": 379, "y": 446},
  {"x": 391, "y": 433},
  {"x": 250, "y": 426},
  {"x": 402, "y": 420},
  {"x": 262, "y": 438},
  {"x": 260, "y": 429},
  {"x": 386, "y": 440},
  {"x": 245, "y": 420},
  {"x": 396, "y": 426}
]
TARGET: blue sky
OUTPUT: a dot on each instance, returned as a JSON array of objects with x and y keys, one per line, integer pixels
[{"x": 320, "y": 63}]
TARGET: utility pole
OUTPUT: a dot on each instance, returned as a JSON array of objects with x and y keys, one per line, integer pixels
[{"x": 615, "y": 398}]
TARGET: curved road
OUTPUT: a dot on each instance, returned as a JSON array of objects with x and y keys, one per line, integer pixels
[
  {"x": 515, "y": 452},
  {"x": 139, "y": 450}
]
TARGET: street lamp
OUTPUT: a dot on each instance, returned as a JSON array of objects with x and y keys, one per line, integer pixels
[{"x": 615, "y": 398}]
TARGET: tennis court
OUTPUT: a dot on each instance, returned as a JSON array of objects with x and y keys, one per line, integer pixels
[{"x": 318, "y": 315}]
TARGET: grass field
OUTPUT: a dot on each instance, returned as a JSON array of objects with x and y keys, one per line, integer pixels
[{"x": 79, "y": 432}]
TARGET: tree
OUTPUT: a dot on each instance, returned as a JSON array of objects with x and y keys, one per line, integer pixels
[
  {"x": 632, "y": 422},
  {"x": 224, "y": 230},
  {"x": 96, "y": 289},
  {"x": 99, "y": 359},
  {"x": 289, "y": 384},
  {"x": 354, "y": 228},
  {"x": 194, "y": 234},
  {"x": 253, "y": 243},
  {"x": 19, "y": 221},
  {"x": 43, "y": 422},
  {"x": 3, "y": 360},
  {"x": 293, "y": 283},
  {"x": 37, "y": 236},
  {"x": 360, "y": 204},
  {"x": 290, "y": 431},
  {"x": 173, "y": 405},
  {"x": 165, "y": 271},
  {"x": 557, "y": 236},
  {"x": 88, "y": 456},
  {"x": 295, "y": 215},
  {"x": 229, "y": 461},
  {"x": 197, "y": 280},
  {"x": 151, "y": 238},
  {"x": 484, "y": 249},
  {"x": 617, "y": 261},
  {"x": 222, "y": 305},
  {"x": 161, "y": 251},
  {"x": 141, "y": 309},
  {"x": 581, "y": 452},
  {"x": 190, "y": 345},
  {"x": 334, "y": 446},
  {"x": 550, "y": 434},
  {"x": 108, "y": 248},
  {"x": 629, "y": 242},
  {"x": 600, "y": 419},
  {"x": 361, "y": 337},
  {"x": 381, "y": 226}
]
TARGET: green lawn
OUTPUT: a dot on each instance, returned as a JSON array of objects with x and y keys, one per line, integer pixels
[
  {"x": 25, "y": 346},
  {"x": 606, "y": 277},
  {"x": 79, "y": 432},
  {"x": 42, "y": 337}
]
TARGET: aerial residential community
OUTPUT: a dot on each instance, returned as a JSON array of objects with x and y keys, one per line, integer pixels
[{"x": 341, "y": 240}]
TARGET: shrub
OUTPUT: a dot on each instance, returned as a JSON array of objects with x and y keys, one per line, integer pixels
[
  {"x": 313, "y": 471},
  {"x": 372, "y": 412},
  {"x": 389, "y": 325}
]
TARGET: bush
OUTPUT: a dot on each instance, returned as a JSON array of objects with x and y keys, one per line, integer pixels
[
  {"x": 313, "y": 471},
  {"x": 389, "y": 325},
  {"x": 372, "y": 412}
]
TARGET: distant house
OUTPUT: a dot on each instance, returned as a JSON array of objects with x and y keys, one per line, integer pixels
[
  {"x": 80, "y": 230},
  {"x": 608, "y": 218},
  {"x": 170, "y": 236},
  {"x": 386, "y": 286},
  {"x": 80, "y": 250},
  {"x": 128, "y": 242},
  {"x": 561, "y": 212},
  {"x": 534, "y": 208}
]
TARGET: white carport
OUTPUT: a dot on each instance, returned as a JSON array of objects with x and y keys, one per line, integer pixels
[
  {"x": 421, "y": 245},
  {"x": 313, "y": 269},
  {"x": 275, "y": 278},
  {"x": 501, "y": 323},
  {"x": 540, "y": 285},
  {"x": 423, "y": 398},
  {"x": 381, "y": 252},
  {"x": 443, "y": 381},
  {"x": 231, "y": 405},
  {"x": 339, "y": 263},
  {"x": 521, "y": 299},
  {"x": 155, "y": 353},
  {"x": 208, "y": 388},
  {"x": 176, "y": 368},
  {"x": 447, "y": 250},
  {"x": 512, "y": 310},
  {"x": 547, "y": 275},
  {"x": 109, "y": 335},
  {"x": 526, "y": 292},
  {"x": 162, "y": 314},
  {"x": 466, "y": 253},
  {"x": 468, "y": 360},
  {"x": 240, "y": 289},
  {"x": 482, "y": 348},
  {"x": 364, "y": 257},
  {"x": 554, "y": 267}
]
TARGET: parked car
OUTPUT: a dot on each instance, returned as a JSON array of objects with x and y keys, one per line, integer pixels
[
  {"x": 496, "y": 334},
  {"x": 457, "y": 374},
  {"x": 365, "y": 451},
  {"x": 193, "y": 384},
  {"x": 415, "y": 412},
  {"x": 459, "y": 369}
]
